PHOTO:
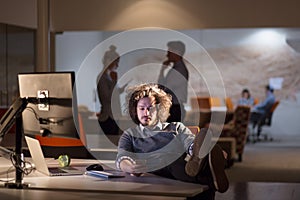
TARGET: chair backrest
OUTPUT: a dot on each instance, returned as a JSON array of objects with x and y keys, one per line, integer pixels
[
  {"x": 75, "y": 148},
  {"x": 200, "y": 103},
  {"x": 241, "y": 121},
  {"x": 229, "y": 104},
  {"x": 214, "y": 101},
  {"x": 269, "y": 115},
  {"x": 256, "y": 101},
  {"x": 274, "y": 106},
  {"x": 239, "y": 129},
  {"x": 65, "y": 142},
  {"x": 241, "y": 118}
]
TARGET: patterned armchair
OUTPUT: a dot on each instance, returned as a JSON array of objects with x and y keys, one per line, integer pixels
[{"x": 238, "y": 128}]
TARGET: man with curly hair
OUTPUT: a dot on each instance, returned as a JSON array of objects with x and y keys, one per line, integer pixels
[{"x": 162, "y": 148}]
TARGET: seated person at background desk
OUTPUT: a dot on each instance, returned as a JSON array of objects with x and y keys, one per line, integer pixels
[
  {"x": 259, "y": 110},
  {"x": 159, "y": 147},
  {"x": 246, "y": 99}
]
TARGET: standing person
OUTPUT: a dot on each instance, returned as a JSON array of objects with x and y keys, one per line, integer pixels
[
  {"x": 161, "y": 148},
  {"x": 106, "y": 85},
  {"x": 246, "y": 98},
  {"x": 176, "y": 80}
]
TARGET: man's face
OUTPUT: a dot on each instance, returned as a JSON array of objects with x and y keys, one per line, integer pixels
[{"x": 147, "y": 111}]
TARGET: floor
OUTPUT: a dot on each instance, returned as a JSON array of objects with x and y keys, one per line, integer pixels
[
  {"x": 261, "y": 191},
  {"x": 269, "y": 170}
]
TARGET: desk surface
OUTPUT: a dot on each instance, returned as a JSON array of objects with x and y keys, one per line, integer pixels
[
  {"x": 29, "y": 194},
  {"x": 145, "y": 185}
]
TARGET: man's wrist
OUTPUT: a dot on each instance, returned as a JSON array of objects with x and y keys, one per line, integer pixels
[{"x": 122, "y": 158}]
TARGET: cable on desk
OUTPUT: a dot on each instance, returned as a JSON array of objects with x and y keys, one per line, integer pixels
[
  {"x": 23, "y": 166},
  {"x": 11, "y": 169}
]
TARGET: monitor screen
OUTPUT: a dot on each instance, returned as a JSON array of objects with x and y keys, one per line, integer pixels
[{"x": 52, "y": 106}]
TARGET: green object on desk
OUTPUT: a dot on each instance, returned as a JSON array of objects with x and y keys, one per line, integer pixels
[{"x": 64, "y": 160}]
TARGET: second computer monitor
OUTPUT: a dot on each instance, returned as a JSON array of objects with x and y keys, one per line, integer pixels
[{"x": 52, "y": 106}]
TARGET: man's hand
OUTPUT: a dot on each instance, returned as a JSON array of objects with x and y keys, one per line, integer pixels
[
  {"x": 114, "y": 75},
  {"x": 166, "y": 63},
  {"x": 135, "y": 169}
]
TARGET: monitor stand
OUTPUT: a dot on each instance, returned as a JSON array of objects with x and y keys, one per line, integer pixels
[
  {"x": 14, "y": 115},
  {"x": 18, "y": 184}
]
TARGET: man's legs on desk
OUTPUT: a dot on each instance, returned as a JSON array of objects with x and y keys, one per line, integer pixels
[
  {"x": 176, "y": 171},
  {"x": 215, "y": 159},
  {"x": 208, "y": 171}
]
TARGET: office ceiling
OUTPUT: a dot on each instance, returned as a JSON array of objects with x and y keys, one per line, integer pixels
[{"x": 173, "y": 14}]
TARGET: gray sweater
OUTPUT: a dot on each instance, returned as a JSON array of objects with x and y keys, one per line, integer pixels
[{"x": 158, "y": 147}]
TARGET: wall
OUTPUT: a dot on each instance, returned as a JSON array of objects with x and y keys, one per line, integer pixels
[
  {"x": 233, "y": 51},
  {"x": 16, "y": 56},
  {"x": 19, "y": 13},
  {"x": 243, "y": 59}
]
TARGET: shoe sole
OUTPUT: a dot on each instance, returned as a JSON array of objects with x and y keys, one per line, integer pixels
[
  {"x": 217, "y": 167},
  {"x": 193, "y": 166}
]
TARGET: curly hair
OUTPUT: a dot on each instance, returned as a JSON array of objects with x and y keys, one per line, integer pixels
[{"x": 162, "y": 99}]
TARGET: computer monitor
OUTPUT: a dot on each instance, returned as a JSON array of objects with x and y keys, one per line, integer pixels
[{"x": 52, "y": 107}]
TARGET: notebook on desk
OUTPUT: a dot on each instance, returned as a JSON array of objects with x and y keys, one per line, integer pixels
[
  {"x": 41, "y": 164},
  {"x": 105, "y": 174}
]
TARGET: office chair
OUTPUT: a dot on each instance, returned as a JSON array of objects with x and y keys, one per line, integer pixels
[
  {"x": 266, "y": 120},
  {"x": 229, "y": 104},
  {"x": 237, "y": 128},
  {"x": 214, "y": 101},
  {"x": 258, "y": 121},
  {"x": 75, "y": 148}
]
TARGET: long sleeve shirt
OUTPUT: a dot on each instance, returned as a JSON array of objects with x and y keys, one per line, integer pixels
[
  {"x": 246, "y": 101},
  {"x": 265, "y": 105},
  {"x": 159, "y": 147}
]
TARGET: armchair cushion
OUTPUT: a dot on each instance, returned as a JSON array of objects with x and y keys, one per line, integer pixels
[{"x": 236, "y": 128}]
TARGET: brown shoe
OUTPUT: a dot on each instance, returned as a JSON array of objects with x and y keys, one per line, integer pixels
[
  {"x": 195, "y": 163},
  {"x": 217, "y": 167}
]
